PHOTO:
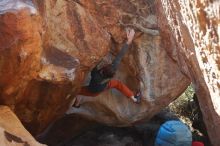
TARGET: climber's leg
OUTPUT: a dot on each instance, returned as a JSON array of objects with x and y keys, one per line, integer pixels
[
  {"x": 83, "y": 95},
  {"x": 84, "y": 91},
  {"x": 124, "y": 90},
  {"x": 121, "y": 87}
]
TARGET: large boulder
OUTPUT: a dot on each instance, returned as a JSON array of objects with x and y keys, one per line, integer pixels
[
  {"x": 50, "y": 46},
  {"x": 146, "y": 66}
]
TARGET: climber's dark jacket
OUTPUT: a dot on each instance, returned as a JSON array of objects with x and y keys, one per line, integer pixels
[{"x": 98, "y": 82}]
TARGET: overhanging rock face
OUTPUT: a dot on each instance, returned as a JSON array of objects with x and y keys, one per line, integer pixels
[
  {"x": 49, "y": 48},
  {"x": 92, "y": 30}
]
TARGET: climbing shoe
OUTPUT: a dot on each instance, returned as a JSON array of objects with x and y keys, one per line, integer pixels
[
  {"x": 138, "y": 97},
  {"x": 76, "y": 103}
]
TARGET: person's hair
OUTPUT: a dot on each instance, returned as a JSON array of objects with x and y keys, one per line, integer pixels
[{"x": 108, "y": 71}]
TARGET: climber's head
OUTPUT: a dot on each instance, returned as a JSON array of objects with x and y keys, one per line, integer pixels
[{"x": 108, "y": 71}]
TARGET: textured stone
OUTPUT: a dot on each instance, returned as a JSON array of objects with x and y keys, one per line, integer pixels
[
  {"x": 12, "y": 132},
  {"x": 20, "y": 49},
  {"x": 142, "y": 70},
  {"x": 146, "y": 66},
  {"x": 194, "y": 26},
  {"x": 66, "y": 39}
]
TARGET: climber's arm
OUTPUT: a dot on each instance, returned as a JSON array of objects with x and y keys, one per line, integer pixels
[{"x": 118, "y": 58}]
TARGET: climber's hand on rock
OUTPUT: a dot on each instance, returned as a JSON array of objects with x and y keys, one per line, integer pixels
[{"x": 130, "y": 35}]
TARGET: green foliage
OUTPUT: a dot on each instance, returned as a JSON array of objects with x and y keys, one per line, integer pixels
[{"x": 181, "y": 105}]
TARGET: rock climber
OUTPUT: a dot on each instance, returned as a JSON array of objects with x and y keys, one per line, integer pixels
[{"x": 101, "y": 79}]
